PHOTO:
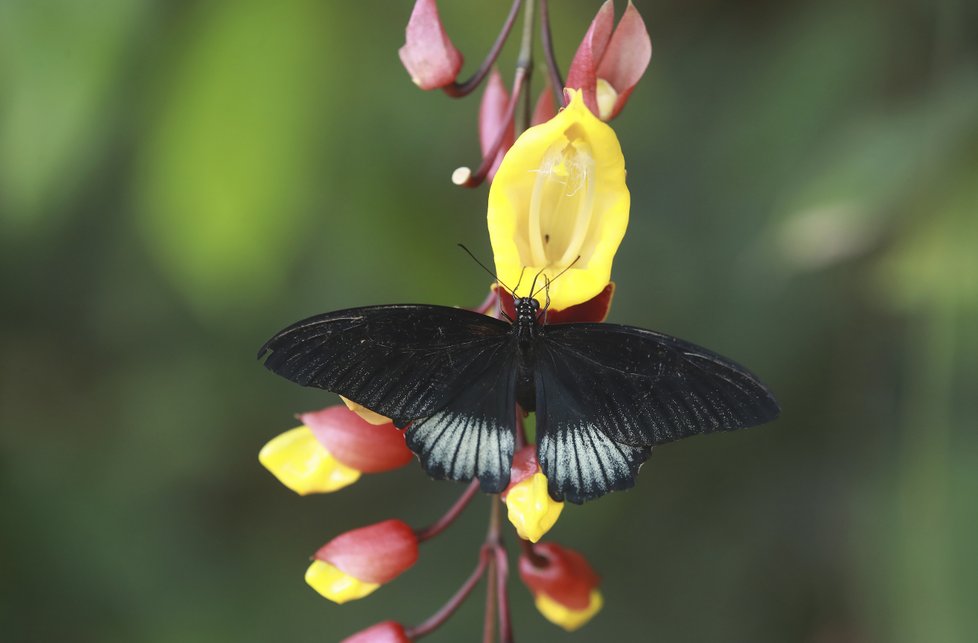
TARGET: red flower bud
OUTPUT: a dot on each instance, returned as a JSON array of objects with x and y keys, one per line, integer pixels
[
  {"x": 593, "y": 310},
  {"x": 428, "y": 54},
  {"x": 386, "y": 632},
  {"x": 492, "y": 110},
  {"x": 608, "y": 65},
  {"x": 375, "y": 554},
  {"x": 357, "y": 443},
  {"x": 560, "y": 573}
]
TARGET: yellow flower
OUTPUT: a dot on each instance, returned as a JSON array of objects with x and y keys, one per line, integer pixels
[
  {"x": 565, "y": 617},
  {"x": 331, "y": 449},
  {"x": 303, "y": 464},
  {"x": 335, "y": 585},
  {"x": 559, "y": 199},
  {"x": 530, "y": 508}
]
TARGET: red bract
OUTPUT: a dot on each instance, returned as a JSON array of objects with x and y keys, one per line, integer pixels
[
  {"x": 608, "y": 64},
  {"x": 593, "y": 310},
  {"x": 375, "y": 554},
  {"x": 353, "y": 441},
  {"x": 428, "y": 54},
  {"x": 492, "y": 112},
  {"x": 560, "y": 573},
  {"x": 524, "y": 465},
  {"x": 386, "y": 632}
]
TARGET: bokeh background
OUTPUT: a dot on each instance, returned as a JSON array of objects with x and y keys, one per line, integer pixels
[{"x": 178, "y": 180}]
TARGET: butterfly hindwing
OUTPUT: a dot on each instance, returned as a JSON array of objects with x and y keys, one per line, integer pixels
[
  {"x": 402, "y": 361},
  {"x": 580, "y": 461},
  {"x": 472, "y": 436},
  {"x": 644, "y": 388}
]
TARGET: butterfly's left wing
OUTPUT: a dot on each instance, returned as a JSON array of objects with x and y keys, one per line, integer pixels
[
  {"x": 640, "y": 387},
  {"x": 607, "y": 393},
  {"x": 579, "y": 460}
]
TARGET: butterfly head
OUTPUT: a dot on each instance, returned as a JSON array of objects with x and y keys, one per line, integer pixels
[{"x": 527, "y": 310}]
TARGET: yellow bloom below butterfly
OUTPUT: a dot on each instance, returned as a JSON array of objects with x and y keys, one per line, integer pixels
[{"x": 559, "y": 199}]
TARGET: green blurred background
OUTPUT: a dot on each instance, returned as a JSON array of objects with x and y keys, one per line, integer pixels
[{"x": 178, "y": 180}]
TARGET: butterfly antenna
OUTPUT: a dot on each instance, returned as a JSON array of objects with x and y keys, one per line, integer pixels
[
  {"x": 519, "y": 281},
  {"x": 491, "y": 273},
  {"x": 534, "y": 284},
  {"x": 550, "y": 281}
]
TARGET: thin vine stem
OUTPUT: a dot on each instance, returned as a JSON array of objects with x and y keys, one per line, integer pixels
[
  {"x": 472, "y": 180},
  {"x": 502, "y": 595},
  {"x": 453, "y": 512},
  {"x": 458, "y": 90},
  {"x": 524, "y": 61},
  {"x": 492, "y": 541},
  {"x": 438, "y": 618},
  {"x": 531, "y": 553},
  {"x": 556, "y": 80},
  {"x": 521, "y": 88}
]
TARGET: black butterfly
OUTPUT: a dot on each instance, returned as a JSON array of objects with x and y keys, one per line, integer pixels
[{"x": 604, "y": 394}]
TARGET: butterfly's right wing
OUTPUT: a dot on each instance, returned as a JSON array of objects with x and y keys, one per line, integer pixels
[{"x": 402, "y": 361}]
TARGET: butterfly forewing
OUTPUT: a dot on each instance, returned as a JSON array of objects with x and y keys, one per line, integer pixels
[
  {"x": 403, "y": 361},
  {"x": 644, "y": 388}
]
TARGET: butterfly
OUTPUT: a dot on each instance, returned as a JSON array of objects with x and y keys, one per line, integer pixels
[{"x": 604, "y": 394}]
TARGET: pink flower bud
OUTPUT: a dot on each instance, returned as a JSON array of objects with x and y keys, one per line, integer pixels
[
  {"x": 492, "y": 110},
  {"x": 375, "y": 554},
  {"x": 358, "y": 444},
  {"x": 386, "y": 632},
  {"x": 428, "y": 54},
  {"x": 608, "y": 64},
  {"x": 565, "y": 576}
]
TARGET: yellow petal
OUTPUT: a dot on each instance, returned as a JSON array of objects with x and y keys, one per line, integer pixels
[
  {"x": 303, "y": 464},
  {"x": 531, "y": 509},
  {"x": 567, "y": 618},
  {"x": 560, "y": 194},
  {"x": 365, "y": 413},
  {"x": 335, "y": 585}
]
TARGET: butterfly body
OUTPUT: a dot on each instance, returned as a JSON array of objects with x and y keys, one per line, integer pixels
[
  {"x": 525, "y": 329},
  {"x": 603, "y": 394}
]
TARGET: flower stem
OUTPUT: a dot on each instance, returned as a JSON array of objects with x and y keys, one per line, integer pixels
[
  {"x": 489, "y": 621},
  {"x": 438, "y": 618},
  {"x": 471, "y": 180},
  {"x": 458, "y": 90},
  {"x": 492, "y": 541},
  {"x": 454, "y": 511},
  {"x": 502, "y": 595},
  {"x": 524, "y": 62},
  {"x": 531, "y": 553},
  {"x": 556, "y": 82}
]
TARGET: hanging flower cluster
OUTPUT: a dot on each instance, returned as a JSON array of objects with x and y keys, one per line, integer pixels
[{"x": 558, "y": 205}]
